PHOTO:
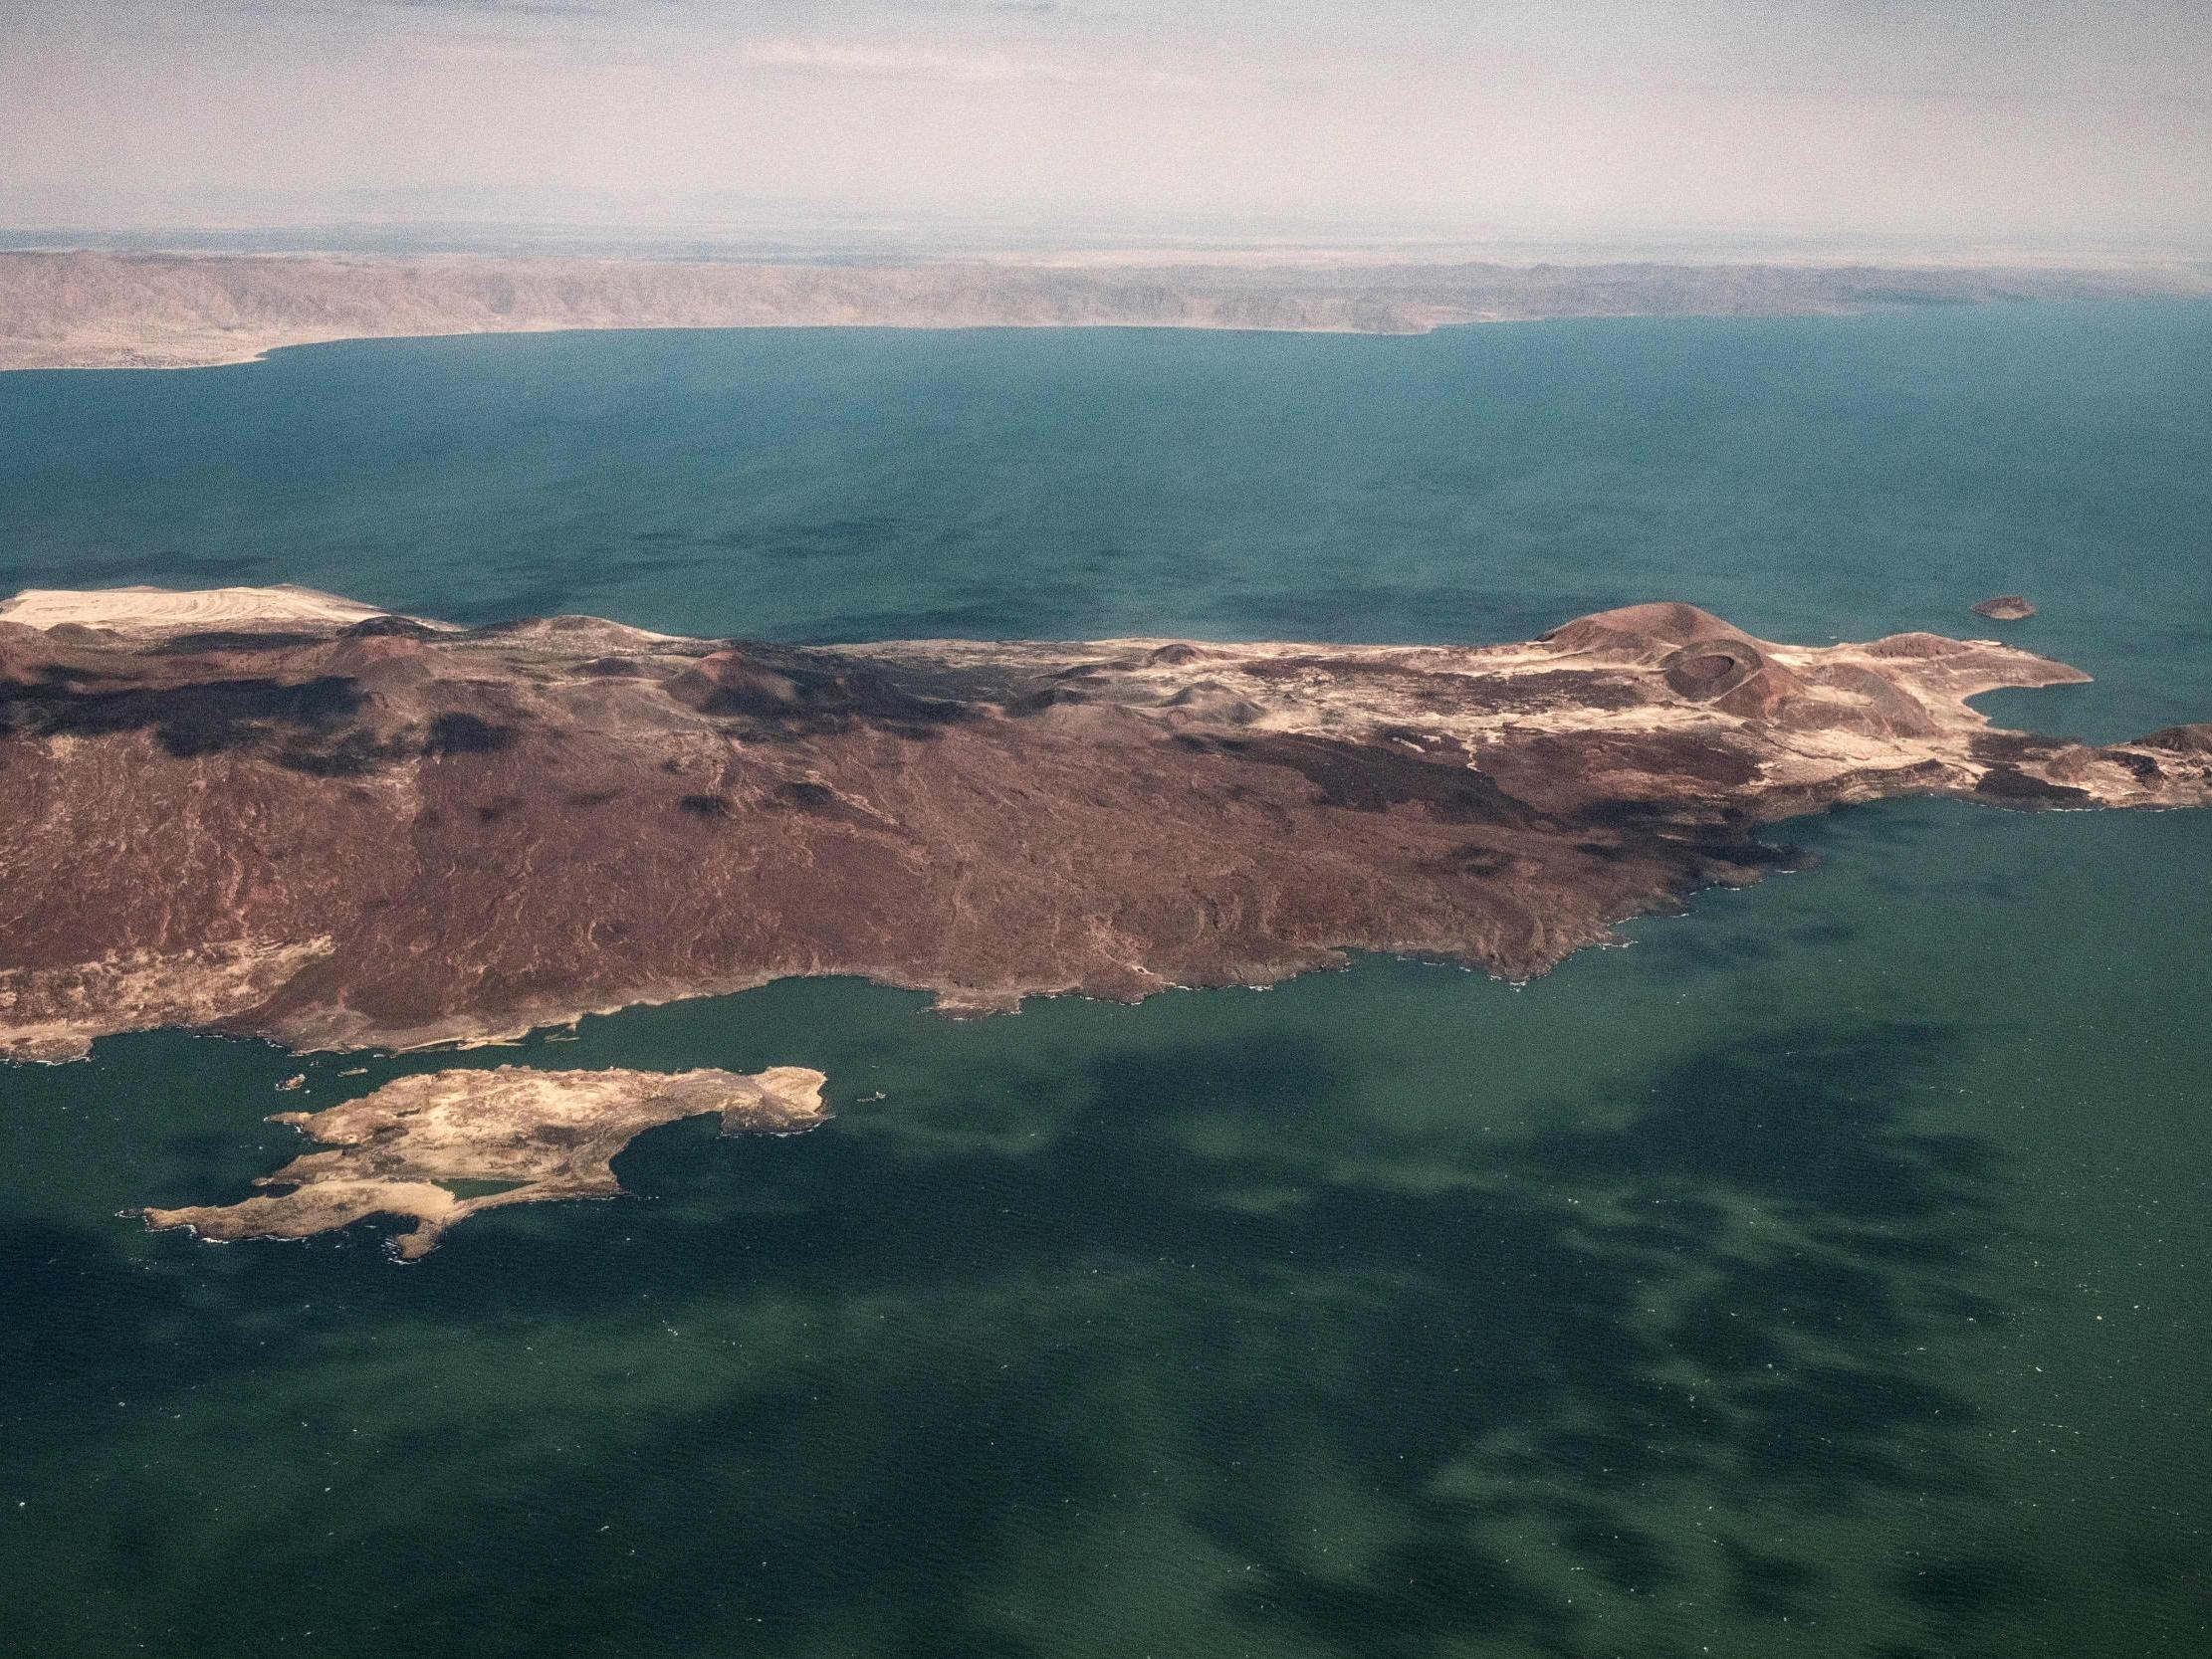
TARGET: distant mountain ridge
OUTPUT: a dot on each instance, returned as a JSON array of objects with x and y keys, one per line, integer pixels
[{"x": 90, "y": 310}]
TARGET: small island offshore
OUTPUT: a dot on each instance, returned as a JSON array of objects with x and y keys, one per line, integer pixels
[
  {"x": 274, "y": 812},
  {"x": 439, "y": 1147}
]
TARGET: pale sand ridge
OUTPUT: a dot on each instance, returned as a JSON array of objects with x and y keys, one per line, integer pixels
[{"x": 162, "y": 610}]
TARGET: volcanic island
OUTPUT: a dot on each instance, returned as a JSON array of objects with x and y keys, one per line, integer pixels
[{"x": 274, "y": 812}]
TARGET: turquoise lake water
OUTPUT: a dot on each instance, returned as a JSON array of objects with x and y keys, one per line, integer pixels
[{"x": 1825, "y": 1274}]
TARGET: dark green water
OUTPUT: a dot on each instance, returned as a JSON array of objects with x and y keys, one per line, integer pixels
[{"x": 1825, "y": 1274}]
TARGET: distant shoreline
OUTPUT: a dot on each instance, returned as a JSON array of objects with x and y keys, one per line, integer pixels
[{"x": 97, "y": 309}]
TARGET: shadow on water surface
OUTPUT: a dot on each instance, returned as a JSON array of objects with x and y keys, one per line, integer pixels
[{"x": 1206, "y": 1271}]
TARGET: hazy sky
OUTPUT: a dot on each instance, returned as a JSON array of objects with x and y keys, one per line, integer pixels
[{"x": 2009, "y": 118}]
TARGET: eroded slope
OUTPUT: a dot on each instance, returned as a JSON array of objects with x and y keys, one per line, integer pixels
[{"x": 348, "y": 833}]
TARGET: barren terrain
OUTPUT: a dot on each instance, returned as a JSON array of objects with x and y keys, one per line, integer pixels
[
  {"x": 439, "y": 1147},
  {"x": 379, "y": 832},
  {"x": 83, "y": 309}
]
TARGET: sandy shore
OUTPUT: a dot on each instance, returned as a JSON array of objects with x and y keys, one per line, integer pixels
[{"x": 159, "y": 610}]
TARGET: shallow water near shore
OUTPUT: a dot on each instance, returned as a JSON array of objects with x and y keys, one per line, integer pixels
[{"x": 1821, "y": 1274}]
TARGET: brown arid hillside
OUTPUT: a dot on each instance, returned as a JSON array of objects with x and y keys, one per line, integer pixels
[
  {"x": 119, "y": 311},
  {"x": 270, "y": 811}
]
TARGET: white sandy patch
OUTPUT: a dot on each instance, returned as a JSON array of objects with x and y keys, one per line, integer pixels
[{"x": 163, "y": 610}]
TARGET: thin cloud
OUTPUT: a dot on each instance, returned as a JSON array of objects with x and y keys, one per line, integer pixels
[
  {"x": 854, "y": 60},
  {"x": 480, "y": 8}
]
